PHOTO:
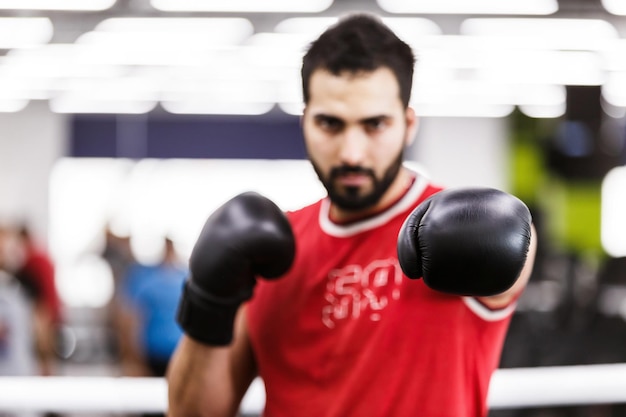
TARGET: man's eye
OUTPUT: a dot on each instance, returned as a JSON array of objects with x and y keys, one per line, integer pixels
[
  {"x": 330, "y": 124},
  {"x": 374, "y": 125}
]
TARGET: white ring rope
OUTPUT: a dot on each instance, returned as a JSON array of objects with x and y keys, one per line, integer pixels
[{"x": 510, "y": 388}]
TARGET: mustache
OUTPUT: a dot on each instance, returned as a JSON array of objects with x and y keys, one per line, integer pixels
[{"x": 348, "y": 169}]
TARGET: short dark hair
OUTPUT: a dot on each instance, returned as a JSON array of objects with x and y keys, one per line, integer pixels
[{"x": 360, "y": 43}]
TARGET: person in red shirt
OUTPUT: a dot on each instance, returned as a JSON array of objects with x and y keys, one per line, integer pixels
[
  {"x": 389, "y": 297},
  {"x": 37, "y": 273}
]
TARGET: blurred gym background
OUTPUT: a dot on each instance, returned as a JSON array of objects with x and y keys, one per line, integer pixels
[{"x": 134, "y": 119}]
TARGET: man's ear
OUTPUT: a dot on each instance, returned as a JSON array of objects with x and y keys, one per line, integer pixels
[{"x": 412, "y": 125}]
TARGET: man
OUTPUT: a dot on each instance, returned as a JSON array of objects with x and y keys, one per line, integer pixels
[{"x": 336, "y": 328}]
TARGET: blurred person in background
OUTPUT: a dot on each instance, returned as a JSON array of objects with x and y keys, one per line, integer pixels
[
  {"x": 17, "y": 342},
  {"x": 118, "y": 254},
  {"x": 32, "y": 266},
  {"x": 148, "y": 302}
]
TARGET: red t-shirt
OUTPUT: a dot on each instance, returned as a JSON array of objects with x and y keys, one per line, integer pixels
[
  {"x": 345, "y": 333},
  {"x": 39, "y": 269}
]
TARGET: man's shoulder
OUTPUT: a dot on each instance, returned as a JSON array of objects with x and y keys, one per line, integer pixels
[
  {"x": 430, "y": 190},
  {"x": 305, "y": 212}
]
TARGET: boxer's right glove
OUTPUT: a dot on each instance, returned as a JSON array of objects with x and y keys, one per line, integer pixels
[
  {"x": 471, "y": 241},
  {"x": 247, "y": 236}
]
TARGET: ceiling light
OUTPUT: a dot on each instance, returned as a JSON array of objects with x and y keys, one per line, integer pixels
[
  {"x": 203, "y": 106},
  {"x": 218, "y": 97},
  {"x": 24, "y": 32},
  {"x": 272, "y": 6},
  {"x": 53, "y": 61},
  {"x": 617, "y": 7},
  {"x": 312, "y": 26},
  {"x": 531, "y": 7},
  {"x": 543, "y": 111},
  {"x": 23, "y": 88},
  {"x": 168, "y": 33},
  {"x": 614, "y": 90},
  {"x": 228, "y": 29},
  {"x": 81, "y": 104},
  {"x": 546, "y": 67},
  {"x": 282, "y": 50},
  {"x": 292, "y": 108},
  {"x": 12, "y": 106},
  {"x": 576, "y": 34},
  {"x": 164, "y": 41},
  {"x": 123, "y": 88},
  {"x": 148, "y": 55},
  {"x": 92, "y": 5},
  {"x": 613, "y": 207},
  {"x": 463, "y": 110},
  {"x": 615, "y": 55},
  {"x": 540, "y": 95},
  {"x": 441, "y": 91},
  {"x": 405, "y": 27},
  {"x": 116, "y": 95}
]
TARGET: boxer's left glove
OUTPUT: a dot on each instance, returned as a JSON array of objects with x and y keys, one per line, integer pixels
[
  {"x": 246, "y": 237},
  {"x": 471, "y": 241}
]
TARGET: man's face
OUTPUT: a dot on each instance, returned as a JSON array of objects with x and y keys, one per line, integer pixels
[{"x": 355, "y": 129}]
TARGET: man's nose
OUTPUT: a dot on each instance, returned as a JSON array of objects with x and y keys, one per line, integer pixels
[{"x": 353, "y": 147}]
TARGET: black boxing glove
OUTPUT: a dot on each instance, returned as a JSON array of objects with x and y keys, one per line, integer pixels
[
  {"x": 471, "y": 241},
  {"x": 247, "y": 236}
]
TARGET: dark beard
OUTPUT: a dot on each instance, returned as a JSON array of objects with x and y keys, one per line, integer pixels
[{"x": 351, "y": 199}]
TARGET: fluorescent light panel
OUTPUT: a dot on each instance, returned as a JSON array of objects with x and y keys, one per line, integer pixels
[
  {"x": 203, "y": 106},
  {"x": 482, "y": 93},
  {"x": 614, "y": 90},
  {"x": 24, "y": 32},
  {"x": 54, "y": 61},
  {"x": 617, "y": 7},
  {"x": 273, "y": 6},
  {"x": 463, "y": 110},
  {"x": 543, "y": 111},
  {"x": 12, "y": 106},
  {"x": 228, "y": 29},
  {"x": 529, "y": 7},
  {"x": 613, "y": 212},
  {"x": 547, "y": 67},
  {"x": 222, "y": 97},
  {"x": 405, "y": 27},
  {"x": 614, "y": 55},
  {"x": 170, "y": 33},
  {"x": 576, "y": 34},
  {"x": 282, "y": 50},
  {"x": 68, "y": 103},
  {"x": 89, "y": 5},
  {"x": 18, "y": 88}
]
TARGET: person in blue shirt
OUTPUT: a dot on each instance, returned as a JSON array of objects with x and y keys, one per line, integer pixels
[{"x": 150, "y": 295}]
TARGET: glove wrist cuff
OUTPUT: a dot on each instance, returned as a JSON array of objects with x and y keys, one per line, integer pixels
[{"x": 204, "y": 320}]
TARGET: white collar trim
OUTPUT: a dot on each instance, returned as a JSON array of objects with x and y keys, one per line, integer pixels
[
  {"x": 409, "y": 198},
  {"x": 487, "y": 314}
]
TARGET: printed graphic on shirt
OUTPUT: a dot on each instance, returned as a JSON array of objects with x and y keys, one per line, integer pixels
[{"x": 356, "y": 291}]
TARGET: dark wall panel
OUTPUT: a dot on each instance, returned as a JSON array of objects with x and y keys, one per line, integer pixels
[
  {"x": 226, "y": 139},
  {"x": 93, "y": 137},
  {"x": 187, "y": 137}
]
